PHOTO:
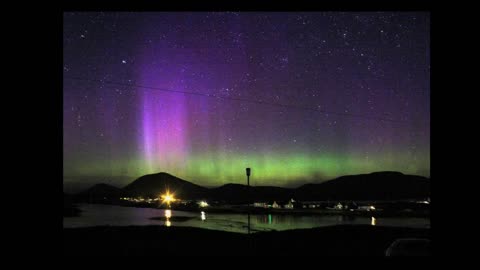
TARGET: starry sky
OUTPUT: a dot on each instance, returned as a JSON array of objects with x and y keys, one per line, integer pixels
[{"x": 298, "y": 97}]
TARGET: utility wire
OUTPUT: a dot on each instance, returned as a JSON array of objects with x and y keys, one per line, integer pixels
[{"x": 240, "y": 99}]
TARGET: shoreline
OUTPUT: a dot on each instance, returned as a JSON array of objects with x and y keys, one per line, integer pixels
[{"x": 297, "y": 212}]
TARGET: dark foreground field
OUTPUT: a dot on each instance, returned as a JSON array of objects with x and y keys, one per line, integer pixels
[{"x": 160, "y": 240}]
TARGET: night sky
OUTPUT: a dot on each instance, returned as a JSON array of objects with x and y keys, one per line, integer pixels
[{"x": 298, "y": 97}]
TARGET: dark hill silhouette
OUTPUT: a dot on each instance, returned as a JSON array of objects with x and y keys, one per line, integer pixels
[
  {"x": 373, "y": 186},
  {"x": 100, "y": 193},
  {"x": 239, "y": 193},
  {"x": 152, "y": 185}
]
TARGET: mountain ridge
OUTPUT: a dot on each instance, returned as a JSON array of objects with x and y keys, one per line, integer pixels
[{"x": 386, "y": 185}]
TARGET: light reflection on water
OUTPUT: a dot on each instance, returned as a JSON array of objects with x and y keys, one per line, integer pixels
[
  {"x": 98, "y": 215},
  {"x": 168, "y": 215}
]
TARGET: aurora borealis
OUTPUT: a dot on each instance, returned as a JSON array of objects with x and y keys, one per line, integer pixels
[{"x": 171, "y": 91}]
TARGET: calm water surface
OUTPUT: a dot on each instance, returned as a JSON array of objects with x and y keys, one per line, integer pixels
[{"x": 97, "y": 215}]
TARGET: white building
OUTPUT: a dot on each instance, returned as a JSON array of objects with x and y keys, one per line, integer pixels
[
  {"x": 275, "y": 205},
  {"x": 289, "y": 205}
]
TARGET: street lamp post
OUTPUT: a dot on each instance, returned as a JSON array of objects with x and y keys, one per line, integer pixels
[{"x": 248, "y": 205}]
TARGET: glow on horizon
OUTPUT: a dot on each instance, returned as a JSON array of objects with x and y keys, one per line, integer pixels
[{"x": 273, "y": 169}]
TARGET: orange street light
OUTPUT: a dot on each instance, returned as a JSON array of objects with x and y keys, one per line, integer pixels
[{"x": 168, "y": 198}]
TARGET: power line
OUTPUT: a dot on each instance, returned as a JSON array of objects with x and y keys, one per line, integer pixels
[{"x": 240, "y": 99}]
